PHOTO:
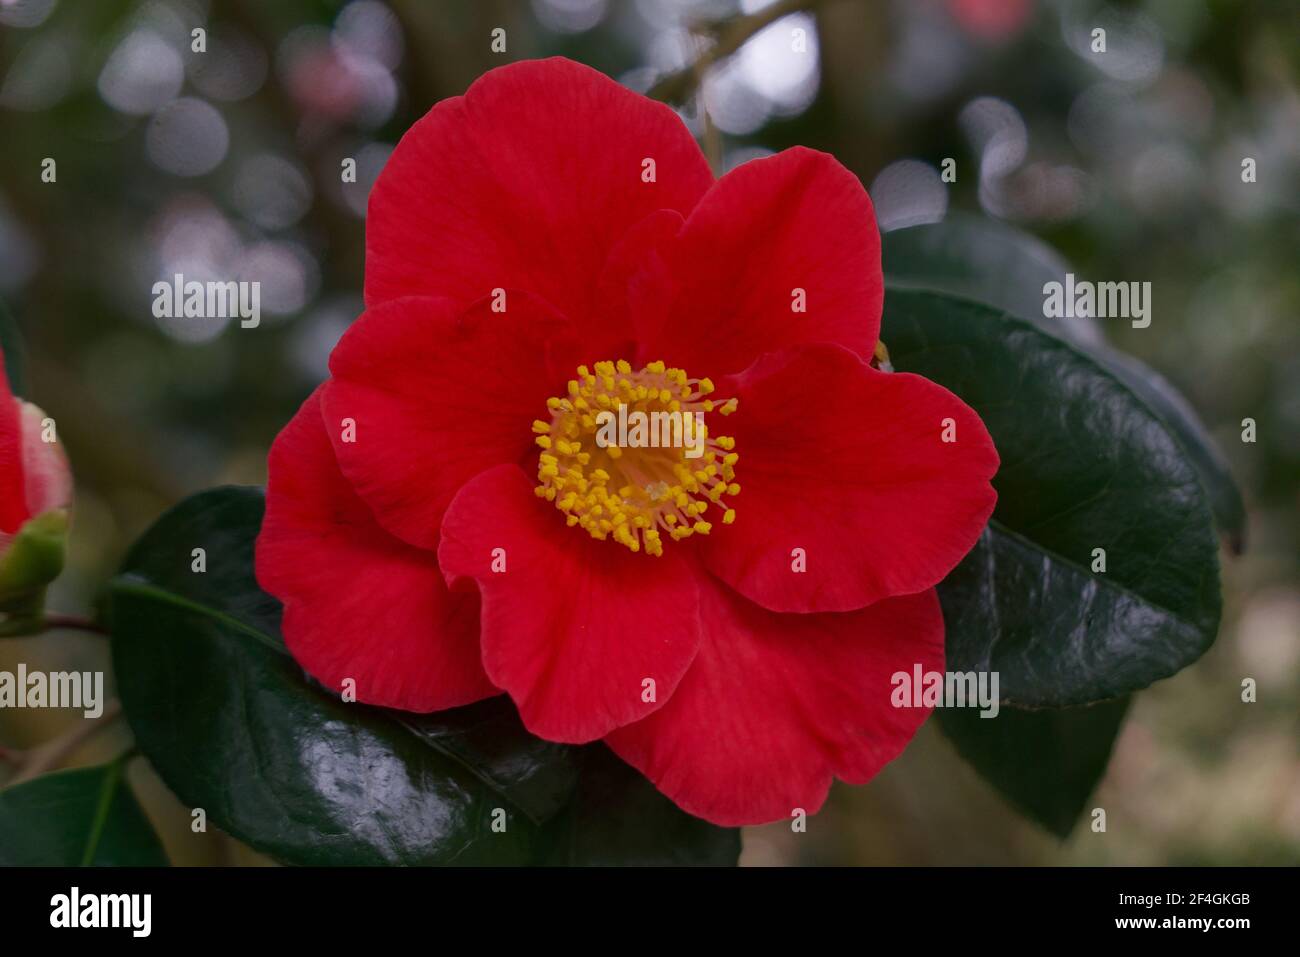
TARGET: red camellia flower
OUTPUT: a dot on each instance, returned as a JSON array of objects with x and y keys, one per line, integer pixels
[{"x": 725, "y": 608}]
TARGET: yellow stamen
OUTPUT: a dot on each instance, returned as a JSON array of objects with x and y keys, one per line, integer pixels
[{"x": 632, "y": 494}]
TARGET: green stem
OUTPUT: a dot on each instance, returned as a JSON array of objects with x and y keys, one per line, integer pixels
[
  {"x": 52, "y": 754},
  {"x": 106, "y": 795}
]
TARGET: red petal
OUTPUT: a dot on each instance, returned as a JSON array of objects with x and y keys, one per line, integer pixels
[
  {"x": 528, "y": 180},
  {"x": 437, "y": 397},
  {"x": 13, "y": 496},
  {"x": 849, "y": 464},
  {"x": 47, "y": 480},
  {"x": 572, "y": 627},
  {"x": 797, "y": 220},
  {"x": 636, "y": 284},
  {"x": 775, "y": 705},
  {"x": 359, "y": 603}
]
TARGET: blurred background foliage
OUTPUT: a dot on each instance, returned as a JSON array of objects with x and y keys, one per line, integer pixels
[{"x": 227, "y": 164}]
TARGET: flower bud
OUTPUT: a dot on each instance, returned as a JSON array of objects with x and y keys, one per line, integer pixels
[{"x": 35, "y": 497}]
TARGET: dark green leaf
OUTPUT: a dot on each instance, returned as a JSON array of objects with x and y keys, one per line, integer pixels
[
  {"x": 224, "y": 522},
  {"x": 489, "y": 739},
  {"x": 11, "y": 344},
  {"x": 617, "y": 817},
  {"x": 981, "y": 259},
  {"x": 1167, "y": 402},
  {"x": 230, "y": 723},
  {"x": 1046, "y": 763},
  {"x": 1003, "y": 267},
  {"x": 73, "y": 818},
  {"x": 1086, "y": 464}
]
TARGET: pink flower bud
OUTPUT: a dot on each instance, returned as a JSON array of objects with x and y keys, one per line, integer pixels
[{"x": 35, "y": 494}]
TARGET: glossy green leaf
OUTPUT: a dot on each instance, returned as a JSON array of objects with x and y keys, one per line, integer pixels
[
  {"x": 224, "y": 523},
  {"x": 73, "y": 818},
  {"x": 1001, "y": 266},
  {"x": 230, "y": 722},
  {"x": 981, "y": 259},
  {"x": 11, "y": 344},
  {"x": 1086, "y": 464},
  {"x": 489, "y": 739},
  {"x": 1167, "y": 402},
  {"x": 617, "y": 817},
  {"x": 1045, "y": 763},
  {"x": 232, "y": 725}
]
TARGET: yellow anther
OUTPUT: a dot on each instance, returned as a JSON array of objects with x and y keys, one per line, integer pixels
[{"x": 634, "y": 489}]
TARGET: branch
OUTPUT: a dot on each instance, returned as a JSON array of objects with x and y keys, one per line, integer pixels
[
  {"x": 38, "y": 760},
  {"x": 55, "y": 619},
  {"x": 730, "y": 36}
]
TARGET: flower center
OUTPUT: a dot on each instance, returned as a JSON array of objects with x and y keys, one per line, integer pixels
[{"x": 626, "y": 455}]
